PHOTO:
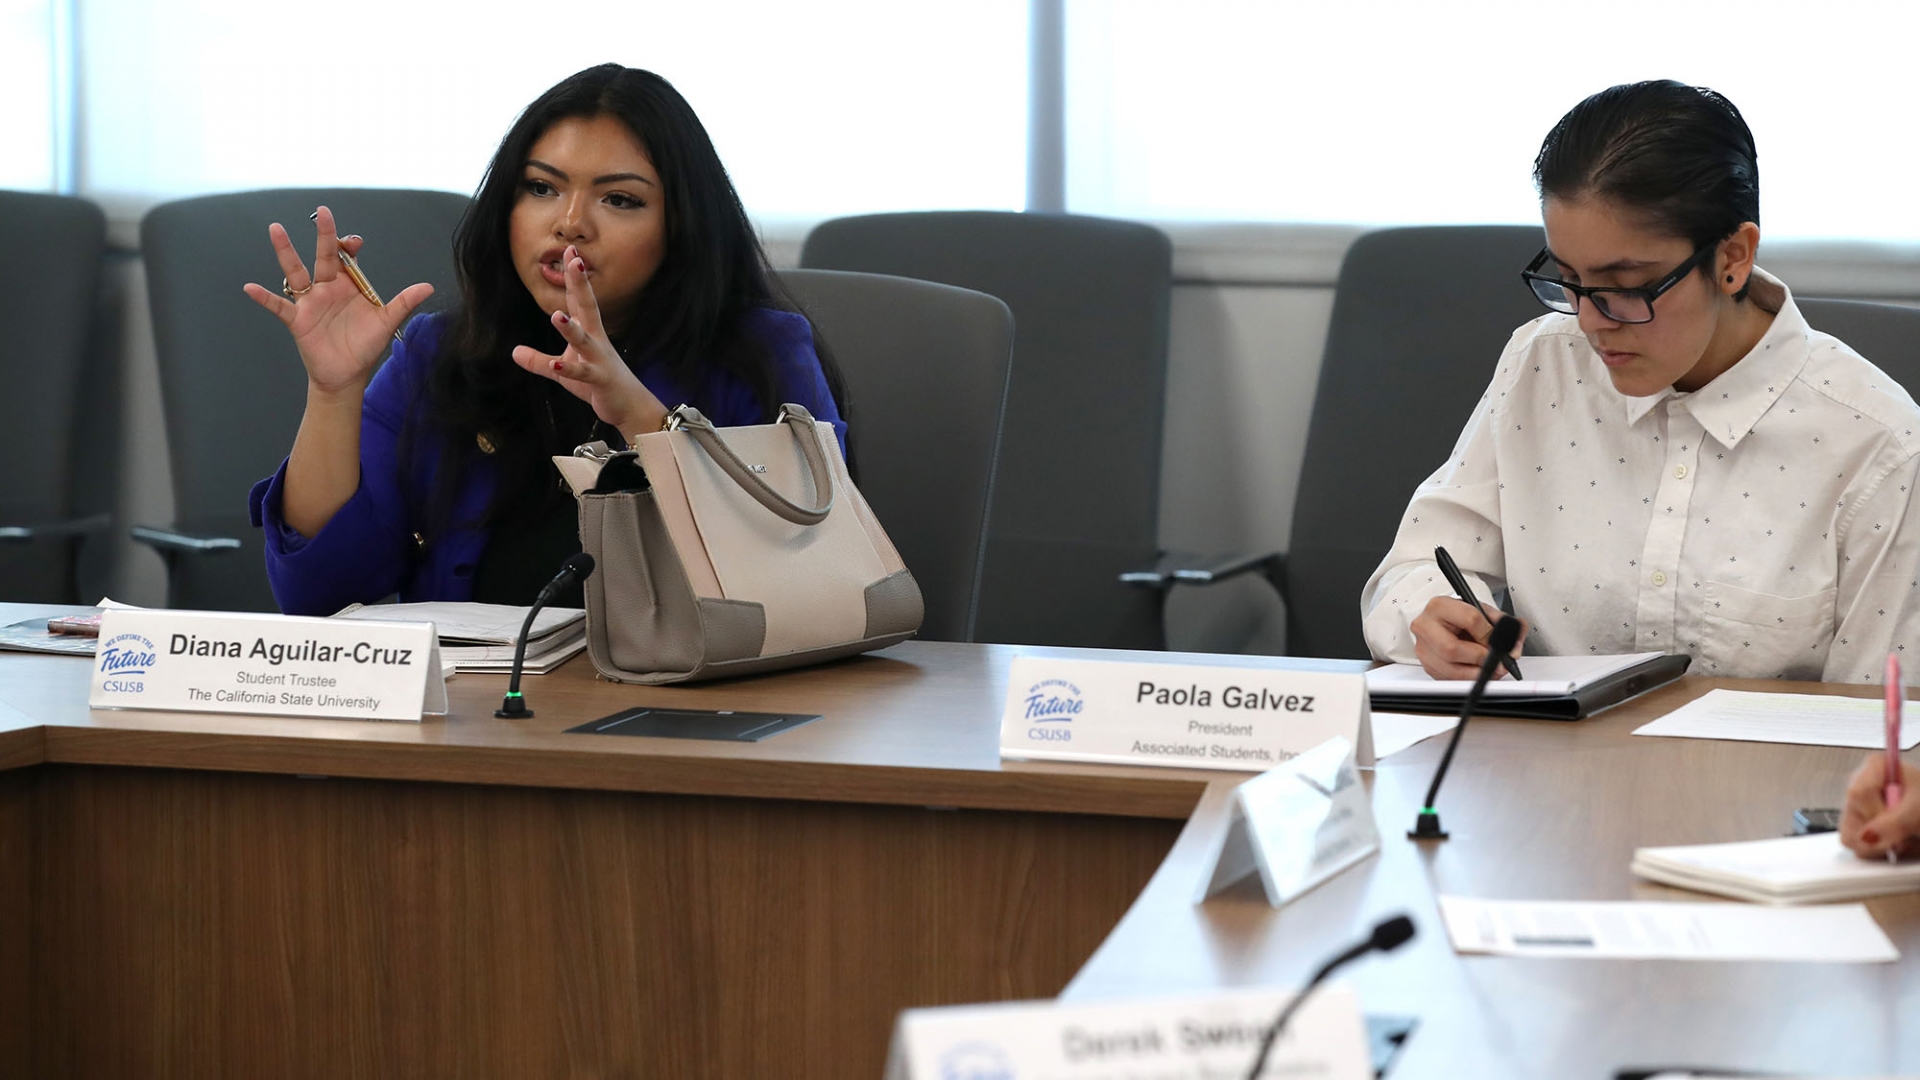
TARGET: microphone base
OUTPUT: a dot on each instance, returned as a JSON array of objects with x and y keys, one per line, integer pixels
[
  {"x": 513, "y": 707},
  {"x": 1427, "y": 827}
]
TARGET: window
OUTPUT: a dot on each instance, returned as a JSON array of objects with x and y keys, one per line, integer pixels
[
  {"x": 816, "y": 109},
  {"x": 32, "y": 118},
  {"x": 1220, "y": 110},
  {"x": 1393, "y": 113}
]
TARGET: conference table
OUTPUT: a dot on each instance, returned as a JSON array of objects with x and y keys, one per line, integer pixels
[{"x": 189, "y": 895}]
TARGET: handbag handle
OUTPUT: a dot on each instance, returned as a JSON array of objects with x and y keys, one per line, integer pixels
[{"x": 805, "y": 431}]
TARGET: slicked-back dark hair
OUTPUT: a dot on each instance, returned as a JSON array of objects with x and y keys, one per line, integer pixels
[
  {"x": 1679, "y": 156},
  {"x": 691, "y": 316}
]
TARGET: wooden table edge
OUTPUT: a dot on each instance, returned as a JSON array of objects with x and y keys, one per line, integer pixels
[
  {"x": 22, "y": 747},
  {"x": 1009, "y": 790},
  {"x": 1178, "y": 874}
]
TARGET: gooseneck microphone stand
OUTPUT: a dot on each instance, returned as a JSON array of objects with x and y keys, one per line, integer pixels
[
  {"x": 1500, "y": 643},
  {"x": 1386, "y": 937},
  {"x": 514, "y": 706}
]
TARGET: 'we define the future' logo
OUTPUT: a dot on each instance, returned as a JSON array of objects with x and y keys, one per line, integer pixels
[
  {"x": 1052, "y": 702},
  {"x": 125, "y": 661}
]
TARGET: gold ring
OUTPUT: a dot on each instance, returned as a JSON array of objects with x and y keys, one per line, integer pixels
[{"x": 290, "y": 292}]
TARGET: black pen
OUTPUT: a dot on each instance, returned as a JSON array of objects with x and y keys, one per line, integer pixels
[{"x": 1465, "y": 591}]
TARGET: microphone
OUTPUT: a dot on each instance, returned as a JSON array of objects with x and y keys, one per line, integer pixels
[
  {"x": 1506, "y": 633},
  {"x": 1386, "y": 937},
  {"x": 514, "y": 706}
]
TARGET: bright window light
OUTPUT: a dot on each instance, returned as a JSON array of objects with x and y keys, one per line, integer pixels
[
  {"x": 817, "y": 109},
  {"x": 1400, "y": 112},
  {"x": 27, "y": 87}
]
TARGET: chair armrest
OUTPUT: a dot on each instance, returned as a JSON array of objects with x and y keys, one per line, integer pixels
[
  {"x": 170, "y": 542},
  {"x": 1187, "y": 568},
  {"x": 85, "y": 526}
]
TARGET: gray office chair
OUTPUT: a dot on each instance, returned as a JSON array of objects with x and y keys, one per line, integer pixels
[
  {"x": 1076, "y": 508},
  {"x": 926, "y": 369},
  {"x": 1886, "y": 334},
  {"x": 231, "y": 381},
  {"x": 1419, "y": 318},
  {"x": 48, "y": 295}
]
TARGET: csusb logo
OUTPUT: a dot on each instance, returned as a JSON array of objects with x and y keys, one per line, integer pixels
[
  {"x": 125, "y": 661},
  {"x": 1052, "y": 702},
  {"x": 975, "y": 1061}
]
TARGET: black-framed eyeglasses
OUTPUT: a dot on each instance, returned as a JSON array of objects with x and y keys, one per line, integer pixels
[{"x": 1619, "y": 305}]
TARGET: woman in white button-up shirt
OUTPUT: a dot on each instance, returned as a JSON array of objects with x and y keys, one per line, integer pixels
[{"x": 1674, "y": 460}]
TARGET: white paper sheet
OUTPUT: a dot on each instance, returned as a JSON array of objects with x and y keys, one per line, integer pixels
[
  {"x": 1838, "y": 933},
  {"x": 1546, "y": 676},
  {"x": 1393, "y": 732},
  {"x": 465, "y": 622},
  {"x": 1806, "y": 719}
]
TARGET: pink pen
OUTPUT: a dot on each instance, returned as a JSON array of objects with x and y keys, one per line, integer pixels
[{"x": 1896, "y": 695}]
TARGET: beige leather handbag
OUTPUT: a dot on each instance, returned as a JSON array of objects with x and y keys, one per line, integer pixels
[{"x": 728, "y": 553}]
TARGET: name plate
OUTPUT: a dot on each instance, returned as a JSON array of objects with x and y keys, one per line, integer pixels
[
  {"x": 274, "y": 665},
  {"x": 1296, "y": 825},
  {"x": 1190, "y": 715},
  {"x": 1175, "y": 1038}
]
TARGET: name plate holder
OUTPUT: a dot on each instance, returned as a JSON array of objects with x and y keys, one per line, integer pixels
[
  {"x": 1246, "y": 719},
  {"x": 267, "y": 665},
  {"x": 1175, "y": 1038},
  {"x": 1296, "y": 825}
]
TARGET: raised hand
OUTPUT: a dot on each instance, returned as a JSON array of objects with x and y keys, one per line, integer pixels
[
  {"x": 340, "y": 335},
  {"x": 591, "y": 369}
]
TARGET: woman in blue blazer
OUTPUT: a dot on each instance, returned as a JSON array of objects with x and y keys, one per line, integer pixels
[{"x": 607, "y": 274}]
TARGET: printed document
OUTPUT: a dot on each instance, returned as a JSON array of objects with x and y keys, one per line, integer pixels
[
  {"x": 1841, "y": 933},
  {"x": 1807, "y": 719}
]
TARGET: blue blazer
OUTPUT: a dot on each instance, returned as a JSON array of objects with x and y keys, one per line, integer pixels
[{"x": 371, "y": 549}]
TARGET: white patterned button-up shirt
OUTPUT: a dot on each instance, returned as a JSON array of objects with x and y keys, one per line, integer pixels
[{"x": 1762, "y": 524}]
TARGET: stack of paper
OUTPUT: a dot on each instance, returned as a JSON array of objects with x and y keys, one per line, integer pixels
[
  {"x": 1793, "y": 870},
  {"x": 481, "y": 637}
]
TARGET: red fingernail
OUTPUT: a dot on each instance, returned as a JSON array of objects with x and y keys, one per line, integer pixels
[
  {"x": 1869, "y": 836},
  {"x": 556, "y": 365},
  {"x": 562, "y": 316}
]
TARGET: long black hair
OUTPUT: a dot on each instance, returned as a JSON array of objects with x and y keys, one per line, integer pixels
[
  {"x": 1679, "y": 156},
  {"x": 690, "y": 318}
]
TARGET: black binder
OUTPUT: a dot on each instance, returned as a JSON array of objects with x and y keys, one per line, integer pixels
[{"x": 1621, "y": 686}]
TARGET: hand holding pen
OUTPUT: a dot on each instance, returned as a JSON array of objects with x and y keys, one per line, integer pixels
[
  {"x": 336, "y": 318},
  {"x": 1870, "y": 826},
  {"x": 349, "y": 245},
  {"x": 1450, "y": 635}
]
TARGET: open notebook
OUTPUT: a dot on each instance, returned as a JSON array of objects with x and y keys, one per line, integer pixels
[
  {"x": 1791, "y": 870},
  {"x": 1555, "y": 687}
]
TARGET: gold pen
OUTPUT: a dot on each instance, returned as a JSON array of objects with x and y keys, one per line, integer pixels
[{"x": 352, "y": 267}]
